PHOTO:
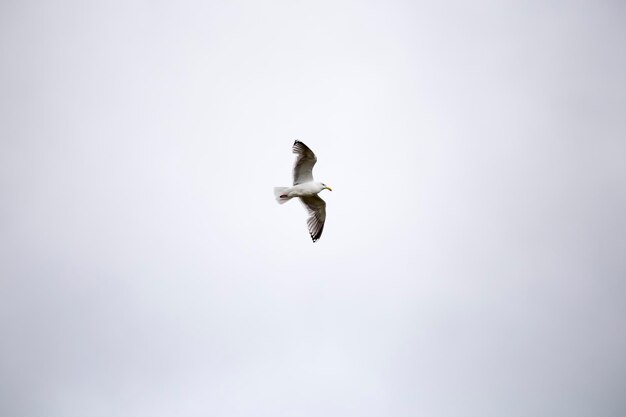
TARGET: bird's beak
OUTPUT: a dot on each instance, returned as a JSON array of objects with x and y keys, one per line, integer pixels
[{"x": 329, "y": 189}]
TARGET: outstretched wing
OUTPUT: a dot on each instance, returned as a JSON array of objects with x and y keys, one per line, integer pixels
[
  {"x": 317, "y": 215},
  {"x": 303, "y": 168}
]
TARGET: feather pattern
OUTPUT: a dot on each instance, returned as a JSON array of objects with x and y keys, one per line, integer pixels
[
  {"x": 303, "y": 167},
  {"x": 317, "y": 215}
]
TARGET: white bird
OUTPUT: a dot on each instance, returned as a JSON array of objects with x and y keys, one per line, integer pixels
[{"x": 306, "y": 189}]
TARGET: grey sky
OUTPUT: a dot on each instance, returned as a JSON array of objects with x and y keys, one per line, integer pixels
[{"x": 472, "y": 262}]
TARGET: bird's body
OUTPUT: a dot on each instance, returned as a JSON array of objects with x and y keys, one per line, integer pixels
[{"x": 306, "y": 189}]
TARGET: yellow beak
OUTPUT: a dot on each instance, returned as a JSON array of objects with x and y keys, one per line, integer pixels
[{"x": 329, "y": 189}]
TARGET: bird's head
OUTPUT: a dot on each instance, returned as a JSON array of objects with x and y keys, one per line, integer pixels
[{"x": 326, "y": 187}]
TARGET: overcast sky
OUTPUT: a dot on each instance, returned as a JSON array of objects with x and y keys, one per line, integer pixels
[{"x": 473, "y": 261}]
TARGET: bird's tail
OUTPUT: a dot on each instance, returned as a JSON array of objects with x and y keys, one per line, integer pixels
[{"x": 281, "y": 194}]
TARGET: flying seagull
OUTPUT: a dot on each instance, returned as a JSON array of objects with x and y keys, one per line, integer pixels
[{"x": 306, "y": 189}]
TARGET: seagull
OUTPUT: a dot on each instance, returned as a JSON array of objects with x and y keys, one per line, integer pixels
[{"x": 306, "y": 189}]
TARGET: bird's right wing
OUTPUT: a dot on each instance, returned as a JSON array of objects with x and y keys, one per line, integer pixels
[
  {"x": 303, "y": 168},
  {"x": 317, "y": 215}
]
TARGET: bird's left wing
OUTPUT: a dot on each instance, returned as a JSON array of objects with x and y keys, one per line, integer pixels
[
  {"x": 317, "y": 215},
  {"x": 303, "y": 168}
]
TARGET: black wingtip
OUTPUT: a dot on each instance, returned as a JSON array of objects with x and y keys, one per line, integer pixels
[{"x": 300, "y": 148}]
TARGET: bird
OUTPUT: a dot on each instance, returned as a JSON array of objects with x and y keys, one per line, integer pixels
[{"x": 306, "y": 189}]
